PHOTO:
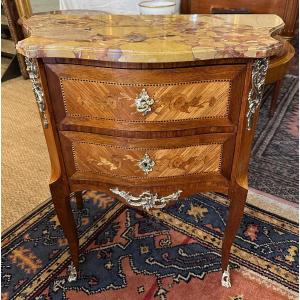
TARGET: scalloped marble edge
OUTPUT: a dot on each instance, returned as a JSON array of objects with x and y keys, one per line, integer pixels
[{"x": 38, "y": 46}]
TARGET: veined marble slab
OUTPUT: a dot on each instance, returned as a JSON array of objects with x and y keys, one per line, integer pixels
[{"x": 150, "y": 39}]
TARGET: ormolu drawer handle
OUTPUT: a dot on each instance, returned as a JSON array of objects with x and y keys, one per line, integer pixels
[
  {"x": 143, "y": 102},
  {"x": 147, "y": 200},
  {"x": 146, "y": 164}
]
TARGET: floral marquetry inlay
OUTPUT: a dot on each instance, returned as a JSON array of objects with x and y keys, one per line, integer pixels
[
  {"x": 153, "y": 103},
  {"x": 131, "y": 162}
]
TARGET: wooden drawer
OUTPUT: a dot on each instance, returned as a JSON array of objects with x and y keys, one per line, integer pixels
[
  {"x": 114, "y": 98},
  {"x": 163, "y": 102},
  {"x": 254, "y": 7},
  {"x": 88, "y": 154}
]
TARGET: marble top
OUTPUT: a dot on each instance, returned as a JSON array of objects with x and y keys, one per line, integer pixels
[{"x": 150, "y": 39}]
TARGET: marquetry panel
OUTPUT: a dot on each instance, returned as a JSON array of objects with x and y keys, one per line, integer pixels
[
  {"x": 168, "y": 162},
  {"x": 95, "y": 154},
  {"x": 172, "y": 102},
  {"x": 103, "y": 100}
]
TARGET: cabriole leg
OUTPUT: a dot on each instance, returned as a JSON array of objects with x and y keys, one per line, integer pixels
[
  {"x": 237, "y": 196},
  {"x": 61, "y": 199}
]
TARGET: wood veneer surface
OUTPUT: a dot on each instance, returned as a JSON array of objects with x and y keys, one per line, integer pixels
[
  {"x": 119, "y": 157},
  {"x": 97, "y": 99}
]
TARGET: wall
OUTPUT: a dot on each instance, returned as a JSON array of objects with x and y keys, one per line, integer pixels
[
  {"x": 44, "y": 5},
  {"x": 112, "y": 6}
]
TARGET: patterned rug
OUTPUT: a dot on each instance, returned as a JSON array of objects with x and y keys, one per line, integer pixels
[
  {"x": 167, "y": 255},
  {"x": 275, "y": 157}
]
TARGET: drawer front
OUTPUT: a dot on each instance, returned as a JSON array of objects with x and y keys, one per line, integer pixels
[
  {"x": 146, "y": 102},
  {"x": 97, "y": 97},
  {"x": 137, "y": 158}
]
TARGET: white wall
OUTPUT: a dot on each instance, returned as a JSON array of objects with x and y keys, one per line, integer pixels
[
  {"x": 44, "y": 5},
  {"x": 110, "y": 6}
]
